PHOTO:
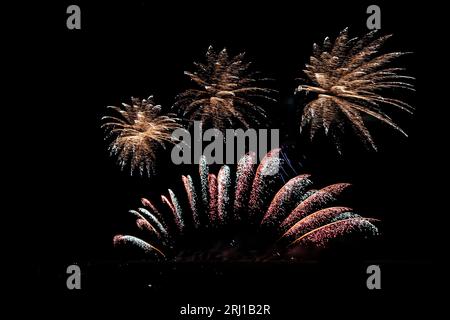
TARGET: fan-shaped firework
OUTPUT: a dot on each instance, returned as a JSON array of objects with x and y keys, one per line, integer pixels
[
  {"x": 258, "y": 217},
  {"x": 347, "y": 78},
  {"x": 228, "y": 93},
  {"x": 137, "y": 133}
]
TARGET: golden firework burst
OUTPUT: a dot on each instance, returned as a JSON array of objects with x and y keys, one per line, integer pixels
[
  {"x": 138, "y": 133},
  {"x": 227, "y": 92},
  {"x": 348, "y": 78}
]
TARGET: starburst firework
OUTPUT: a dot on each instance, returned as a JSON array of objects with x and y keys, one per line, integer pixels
[
  {"x": 347, "y": 78},
  {"x": 138, "y": 133},
  {"x": 228, "y": 92},
  {"x": 277, "y": 218}
]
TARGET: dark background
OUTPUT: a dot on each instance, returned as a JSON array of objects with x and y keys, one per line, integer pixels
[{"x": 136, "y": 49}]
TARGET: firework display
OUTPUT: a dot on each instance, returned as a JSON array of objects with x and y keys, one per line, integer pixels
[
  {"x": 227, "y": 92},
  {"x": 229, "y": 159},
  {"x": 346, "y": 79},
  {"x": 295, "y": 215},
  {"x": 137, "y": 133},
  {"x": 257, "y": 211}
]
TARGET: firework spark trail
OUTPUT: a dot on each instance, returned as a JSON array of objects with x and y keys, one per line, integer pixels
[
  {"x": 308, "y": 194},
  {"x": 223, "y": 193},
  {"x": 320, "y": 237},
  {"x": 283, "y": 175},
  {"x": 267, "y": 178},
  {"x": 126, "y": 240},
  {"x": 204, "y": 171},
  {"x": 347, "y": 78},
  {"x": 138, "y": 132},
  {"x": 174, "y": 212},
  {"x": 226, "y": 92},
  {"x": 169, "y": 204},
  {"x": 317, "y": 201},
  {"x": 147, "y": 203},
  {"x": 144, "y": 224},
  {"x": 153, "y": 221},
  {"x": 244, "y": 177},
  {"x": 286, "y": 199},
  {"x": 316, "y": 220},
  {"x": 192, "y": 197},
  {"x": 178, "y": 210},
  {"x": 212, "y": 183},
  {"x": 286, "y": 160}
]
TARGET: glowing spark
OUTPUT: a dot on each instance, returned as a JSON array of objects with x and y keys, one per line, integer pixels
[
  {"x": 175, "y": 213},
  {"x": 212, "y": 182},
  {"x": 318, "y": 219},
  {"x": 287, "y": 198},
  {"x": 192, "y": 197},
  {"x": 153, "y": 220},
  {"x": 143, "y": 223},
  {"x": 177, "y": 210},
  {"x": 267, "y": 178},
  {"x": 223, "y": 193},
  {"x": 320, "y": 237},
  {"x": 244, "y": 177},
  {"x": 316, "y": 201},
  {"x": 204, "y": 171},
  {"x": 125, "y": 240},
  {"x": 147, "y": 203}
]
